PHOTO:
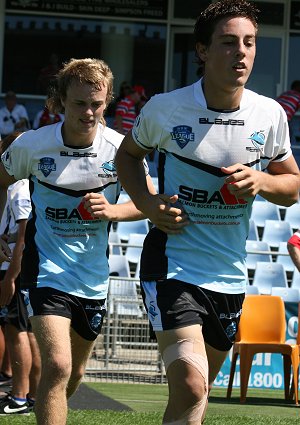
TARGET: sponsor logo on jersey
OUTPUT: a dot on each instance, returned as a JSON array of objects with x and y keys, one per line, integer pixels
[
  {"x": 258, "y": 139},
  {"x": 79, "y": 213},
  {"x": 46, "y": 165},
  {"x": 182, "y": 134},
  {"x": 220, "y": 121},
  {"x": 109, "y": 169},
  {"x": 201, "y": 196},
  {"x": 79, "y": 154}
]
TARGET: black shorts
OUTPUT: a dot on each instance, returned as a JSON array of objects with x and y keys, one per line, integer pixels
[
  {"x": 86, "y": 315},
  {"x": 16, "y": 312},
  {"x": 172, "y": 304}
]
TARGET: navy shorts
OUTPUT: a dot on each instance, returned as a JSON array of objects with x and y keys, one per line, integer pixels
[
  {"x": 172, "y": 304},
  {"x": 15, "y": 313},
  {"x": 86, "y": 315}
]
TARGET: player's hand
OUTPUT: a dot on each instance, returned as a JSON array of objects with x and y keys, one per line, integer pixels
[
  {"x": 166, "y": 213},
  {"x": 243, "y": 182},
  {"x": 99, "y": 207}
]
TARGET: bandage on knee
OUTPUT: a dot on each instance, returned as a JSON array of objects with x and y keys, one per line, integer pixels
[{"x": 190, "y": 351}]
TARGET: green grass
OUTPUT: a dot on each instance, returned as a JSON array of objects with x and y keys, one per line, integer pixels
[{"x": 265, "y": 407}]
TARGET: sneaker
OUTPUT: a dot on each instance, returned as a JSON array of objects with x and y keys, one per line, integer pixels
[
  {"x": 5, "y": 380},
  {"x": 8, "y": 406},
  {"x": 30, "y": 403}
]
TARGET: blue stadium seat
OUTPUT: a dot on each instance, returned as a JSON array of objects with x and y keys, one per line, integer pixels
[
  {"x": 262, "y": 211},
  {"x": 268, "y": 275},
  {"x": 276, "y": 231}
]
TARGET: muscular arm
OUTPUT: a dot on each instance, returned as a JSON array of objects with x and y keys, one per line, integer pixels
[{"x": 157, "y": 207}]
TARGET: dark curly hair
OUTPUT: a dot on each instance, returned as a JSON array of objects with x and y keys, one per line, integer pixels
[{"x": 208, "y": 19}]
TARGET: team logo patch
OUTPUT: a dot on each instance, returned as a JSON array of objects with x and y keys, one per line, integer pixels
[
  {"x": 46, "y": 165},
  {"x": 182, "y": 134},
  {"x": 258, "y": 139},
  {"x": 96, "y": 321},
  {"x": 231, "y": 330},
  {"x": 109, "y": 168}
]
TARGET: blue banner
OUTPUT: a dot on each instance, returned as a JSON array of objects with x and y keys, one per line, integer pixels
[{"x": 267, "y": 368}]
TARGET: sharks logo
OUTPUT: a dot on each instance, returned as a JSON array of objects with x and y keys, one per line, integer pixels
[
  {"x": 109, "y": 168},
  {"x": 258, "y": 139}
]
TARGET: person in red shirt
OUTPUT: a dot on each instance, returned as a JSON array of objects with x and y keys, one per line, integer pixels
[
  {"x": 126, "y": 112},
  {"x": 290, "y": 101}
]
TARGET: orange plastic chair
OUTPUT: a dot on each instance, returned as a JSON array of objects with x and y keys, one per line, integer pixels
[{"x": 262, "y": 329}]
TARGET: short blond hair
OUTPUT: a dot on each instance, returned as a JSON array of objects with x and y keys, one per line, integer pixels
[{"x": 91, "y": 71}]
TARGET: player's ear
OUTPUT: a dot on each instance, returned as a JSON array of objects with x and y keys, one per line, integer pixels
[{"x": 201, "y": 51}]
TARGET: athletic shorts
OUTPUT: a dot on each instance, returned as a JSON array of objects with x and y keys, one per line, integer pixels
[
  {"x": 172, "y": 304},
  {"x": 15, "y": 313},
  {"x": 86, "y": 315}
]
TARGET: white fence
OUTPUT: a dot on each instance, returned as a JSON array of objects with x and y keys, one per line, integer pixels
[{"x": 124, "y": 352}]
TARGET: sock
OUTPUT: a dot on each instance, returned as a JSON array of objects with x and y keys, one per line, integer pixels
[
  {"x": 19, "y": 400},
  {"x": 5, "y": 375},
  {"x": 31, "y": 400}
]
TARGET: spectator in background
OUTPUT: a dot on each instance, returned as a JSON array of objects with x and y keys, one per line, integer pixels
[
  {"x": 290, "y": 101},
  {"x": 45, "y": 116},
  {"x": 126, "y": 111},
  {"x": 13, "y": 116},
  {"x": 48, "y": 74},
  {"x": 143, "y": 99},
  {"x": 293, "y": 246}
]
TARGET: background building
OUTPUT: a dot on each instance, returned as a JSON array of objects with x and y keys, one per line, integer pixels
[{"x": 145, "y": 42}]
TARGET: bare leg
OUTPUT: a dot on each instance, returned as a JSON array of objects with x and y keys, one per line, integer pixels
[
  {"x": 20, "y": 354},
  {"x": 35, "y": 372},
  {"x": 53, "y": 336},
  {"x": 81, "y": 350}
]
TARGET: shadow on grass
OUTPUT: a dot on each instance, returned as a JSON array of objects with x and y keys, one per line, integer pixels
[{"x": 259, "y": 401}]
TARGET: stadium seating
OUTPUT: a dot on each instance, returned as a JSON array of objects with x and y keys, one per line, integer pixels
[
  {"x": 268, "y": 275},
  {"x": 287, "y": 294},
  {"x": 285, "y": 259},
  {"x": 276, "y": 231},
  {"x": 118, "y": 266},
  {"x": 114, "y": 238},
  {"x": 253, "y": 232},
  {"x": 134, "y": 249},
  {"x": 295, "y": 283},
  {"x": 262, "y": 211},
  {"x": 252, "y": 289},
  {"x": 253, "y": 258},
  {"x": 124, "y": 228},
  {"x": 292, "y": 216}
]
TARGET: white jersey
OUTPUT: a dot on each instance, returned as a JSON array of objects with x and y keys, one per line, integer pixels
[
  {"x": 18, "y": 207},
  {"x": 8, "y": 119},
  {"x": 197, "y": 142},
  {"x": 65, "y": 248}
]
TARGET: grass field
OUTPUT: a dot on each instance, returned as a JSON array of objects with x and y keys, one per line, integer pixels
[{"x": 147, "y": 402}]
